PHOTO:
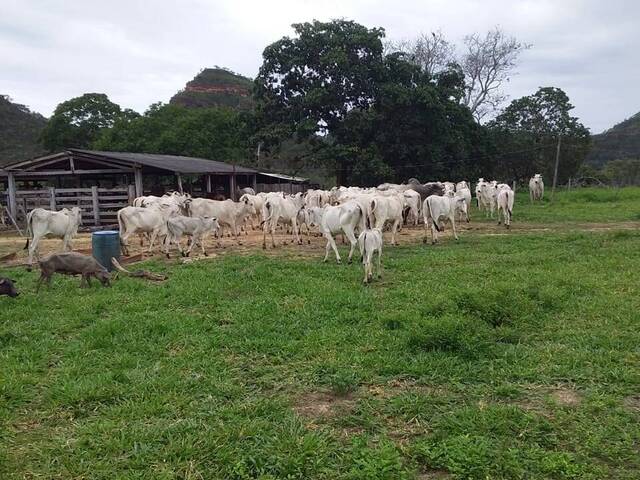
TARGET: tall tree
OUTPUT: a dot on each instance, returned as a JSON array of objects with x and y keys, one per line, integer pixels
[
  {"x": 78, "y": 122},
  {"x": 307, "y": 85},
  {"x": 533, "y": 124},
  {"x": 486, "y": 61}
]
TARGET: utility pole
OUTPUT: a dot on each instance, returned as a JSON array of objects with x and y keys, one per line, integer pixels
[{"x": 555, "y": 170}]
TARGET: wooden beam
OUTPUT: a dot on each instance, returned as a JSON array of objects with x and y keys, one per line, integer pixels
[
  {"x": 52, "y": 199},
  {"x": 131, "y": 193},
  {"x": 53, "y": 173},
  {"x": 96, "y": 205},
  {"x": 13, "y": 205},
  {"x": 59, "y": 156},
  {"x": 137, "y": 174},
  {"x": 208, "y": 183},
  {"x": 254, "y": 182},
  {"x": 72, "y": 166},
  {"x": 179, "y": 180}
]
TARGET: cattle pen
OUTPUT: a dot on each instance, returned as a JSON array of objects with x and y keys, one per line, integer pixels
[{"x": 101, "y": 183}]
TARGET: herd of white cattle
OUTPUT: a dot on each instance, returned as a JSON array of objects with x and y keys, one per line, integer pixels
[{"x": 361, "y": 215}]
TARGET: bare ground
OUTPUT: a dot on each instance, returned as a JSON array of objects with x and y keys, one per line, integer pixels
[{"x": 12, "y": 251}]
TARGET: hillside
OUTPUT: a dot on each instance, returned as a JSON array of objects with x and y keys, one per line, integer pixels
[
  {"x": 620, "y": 142},
  {"x": 216, "y": 87},
  {"x": 20, "y": 130}
]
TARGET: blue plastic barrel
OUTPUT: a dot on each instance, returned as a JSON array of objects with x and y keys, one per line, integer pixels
[{"x": 105, "y": 245}]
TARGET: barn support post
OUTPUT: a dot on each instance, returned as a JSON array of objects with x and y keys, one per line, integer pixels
[
  {"x": 208, "y": 183},
  {"x": 233, "y": 185},
  {"x": 514, "y": 185},
  {"x": 52, "y": 199},
  {"x": 254, "y": 182},
  {"x": 137, "y": 174},
  {"x": 13, "y": 205},
  {"x": 96, "y": 205},
  {"x": 179, "y": 182},
  {"x": 131, "y": 193}
]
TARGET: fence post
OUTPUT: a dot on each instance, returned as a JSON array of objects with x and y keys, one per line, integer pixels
[
  {"x": 569, "y": 185},
  {"x": 514, "y": 186},
  {"x": 132, "y": 194},
  {"x": 96, "y": 205},
  {"x": 13, "y": 204},
  {"x": 52, "y": 199}
]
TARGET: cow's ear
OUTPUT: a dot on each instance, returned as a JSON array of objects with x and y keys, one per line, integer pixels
[{"x": 3, "y": 281}]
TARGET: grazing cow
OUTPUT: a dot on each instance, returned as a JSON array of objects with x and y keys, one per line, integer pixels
[
  {"x": 278, "y": 209},
  {"x": 152, "y": 219},
  {"x": 505, "y": 201},
  {"x": 7, "y": 287},
  {"x": 536, "y": 188},
  {"x": 387, "y": 209},
  {"x": 334, "y": 219},
  {"x": 195, "y": 227},
  {"x": 63, "y": 224},
  {"x": 227, "y": 212},
  {"x": 369, "y": 242},
  {"x": 436, "y": 208},
  {"x": 73, "y": 263}
]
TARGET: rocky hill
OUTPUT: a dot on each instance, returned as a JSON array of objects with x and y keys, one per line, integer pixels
[
  {"x": 214, "y": 87},
  {"x": 20, "y": 130},
  {"x": 619, "y": 142}
]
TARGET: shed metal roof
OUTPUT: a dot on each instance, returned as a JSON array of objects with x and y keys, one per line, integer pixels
[
  {"x": 284, "y": 177},
  {"x": 173, "y": 163}
]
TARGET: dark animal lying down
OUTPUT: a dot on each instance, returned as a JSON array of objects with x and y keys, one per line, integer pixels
[
  {"x": 7, "y": 287},
  {"x": 72, "y": 263}
]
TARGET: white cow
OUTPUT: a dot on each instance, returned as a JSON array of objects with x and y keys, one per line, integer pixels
[
  {"x": 462, "y": 190},
  {"x": 413, "y": 201},
  {"x": 436, "y": 208},
  {"x": 63, "y": 224},
  {"x": 277, "y": 209},
  {"x": 227, "y": 212},
  {"x": 506, "y": 197},
  {"x": 536, "y": 188},
  {"x": 195, "y": 227},
  {"x": 369, "y": 242},
  {"x": 182, "y": 200},
  {"x": 152, "y": 220},
  {"x": 479, "y": 186},
  {"x": 334, "y": 219},
  {"x": 387, "y": 209},
  {"x": 258, "y": 202}
]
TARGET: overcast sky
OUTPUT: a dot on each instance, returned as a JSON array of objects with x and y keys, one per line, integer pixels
[{"x": 142, "y": 51}]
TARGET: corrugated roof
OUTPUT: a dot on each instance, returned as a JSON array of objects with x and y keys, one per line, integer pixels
[
  {"x": 173, "y": 163},
  {"x": 284, "y": 177}
]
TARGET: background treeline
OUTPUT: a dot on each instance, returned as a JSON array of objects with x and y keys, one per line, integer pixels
[{"x": 338, "y": 103}]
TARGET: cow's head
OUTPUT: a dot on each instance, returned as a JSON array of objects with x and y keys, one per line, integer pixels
[
  {"x": 7, "y": 287},
  {"x": 212, "y": 223},
  {"x": 104, "y": 277},
  {"x": 248, "y": 205},
  {"x": 314, "y": 216}
]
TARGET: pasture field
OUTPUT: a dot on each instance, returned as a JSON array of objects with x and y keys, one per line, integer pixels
[{"x": 499, "y": 356}]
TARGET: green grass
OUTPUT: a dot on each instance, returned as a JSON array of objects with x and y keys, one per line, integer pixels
[{"x": 495, "y": 357}]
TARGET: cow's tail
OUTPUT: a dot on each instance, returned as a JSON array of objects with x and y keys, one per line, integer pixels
[
  {"x": 363, "y": 220},
  {"x": 267, "y": 205},
  {"x": 433, "y": 220},
  {"x": 509, "y": 203},
  {"x": 29, "y": 229}
]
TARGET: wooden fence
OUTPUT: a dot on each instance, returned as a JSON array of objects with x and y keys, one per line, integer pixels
[{"x": 99, "y": 205}]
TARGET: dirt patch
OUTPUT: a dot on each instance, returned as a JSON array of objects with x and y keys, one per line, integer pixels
[
  {"x": 434, "y": 475},
  {"x": 322, "y": 405},
  {"x": 632, "y": 403},
  {"x": 566, "y": 396}
]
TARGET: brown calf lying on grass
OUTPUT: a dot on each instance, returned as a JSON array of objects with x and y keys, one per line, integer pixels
[{"x": 72, "y": 263}]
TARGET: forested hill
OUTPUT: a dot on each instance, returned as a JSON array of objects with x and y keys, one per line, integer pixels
[
  {"x": 20, "y": 131},
  {"x": 216, "y": 87},
  {"x": 619, "y": 142}
]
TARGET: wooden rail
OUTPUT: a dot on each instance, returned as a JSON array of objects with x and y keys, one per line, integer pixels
[{"x": 98, "y": 205}]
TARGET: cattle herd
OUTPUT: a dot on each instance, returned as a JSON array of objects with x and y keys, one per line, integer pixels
[{"x": 360, "y": 215}]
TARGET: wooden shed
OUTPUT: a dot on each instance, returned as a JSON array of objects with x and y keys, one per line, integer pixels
[{"x": 103, "y": 182}]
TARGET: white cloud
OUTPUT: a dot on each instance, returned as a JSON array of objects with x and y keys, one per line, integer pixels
[{"x": 140, "y": 52}]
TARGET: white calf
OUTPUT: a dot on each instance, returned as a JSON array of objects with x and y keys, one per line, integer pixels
[
  {"x": 151, "y": 220},
  {"x": 195, "y": 227},
  {"x": 369, "y": 242},
  {"x": 436, "y": 208},
  {"x": 63, "y": 224}
]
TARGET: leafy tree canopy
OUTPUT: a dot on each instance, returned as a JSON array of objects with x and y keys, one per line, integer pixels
[{"x": 78, "y": 121}]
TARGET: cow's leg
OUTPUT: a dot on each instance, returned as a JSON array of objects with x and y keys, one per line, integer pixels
[
  {"x": 434, "y": 232},
  {"x": 33, "y": 248},
  {"x": 42, "y": 278},
  {"x": 154, "y": 234},
  {"x": 425, "y": 223},
  {"x": 394, "y": 227},
  {"x": 83, "y": 281},
  {"x": 453, "y": 227},
  {"x": 296, "y": 233},
  {"x": 379, "y": 259},
  {"x": 352, "y": 239},
  {"x": 332, "y": 243},
  {"x": 274, "y": 224}
]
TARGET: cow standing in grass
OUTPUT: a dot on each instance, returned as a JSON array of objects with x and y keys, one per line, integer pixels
[
  {"x": 63, "y": 224},
  {"x": 331, "y": 220},
  {"x": 436, "y": 209},
  {"x": 194, "y": 227},
  {"x": 505, "y": 200},
  {"x": 536, "y": 188},
  {"x": 369, "y": 242}
]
